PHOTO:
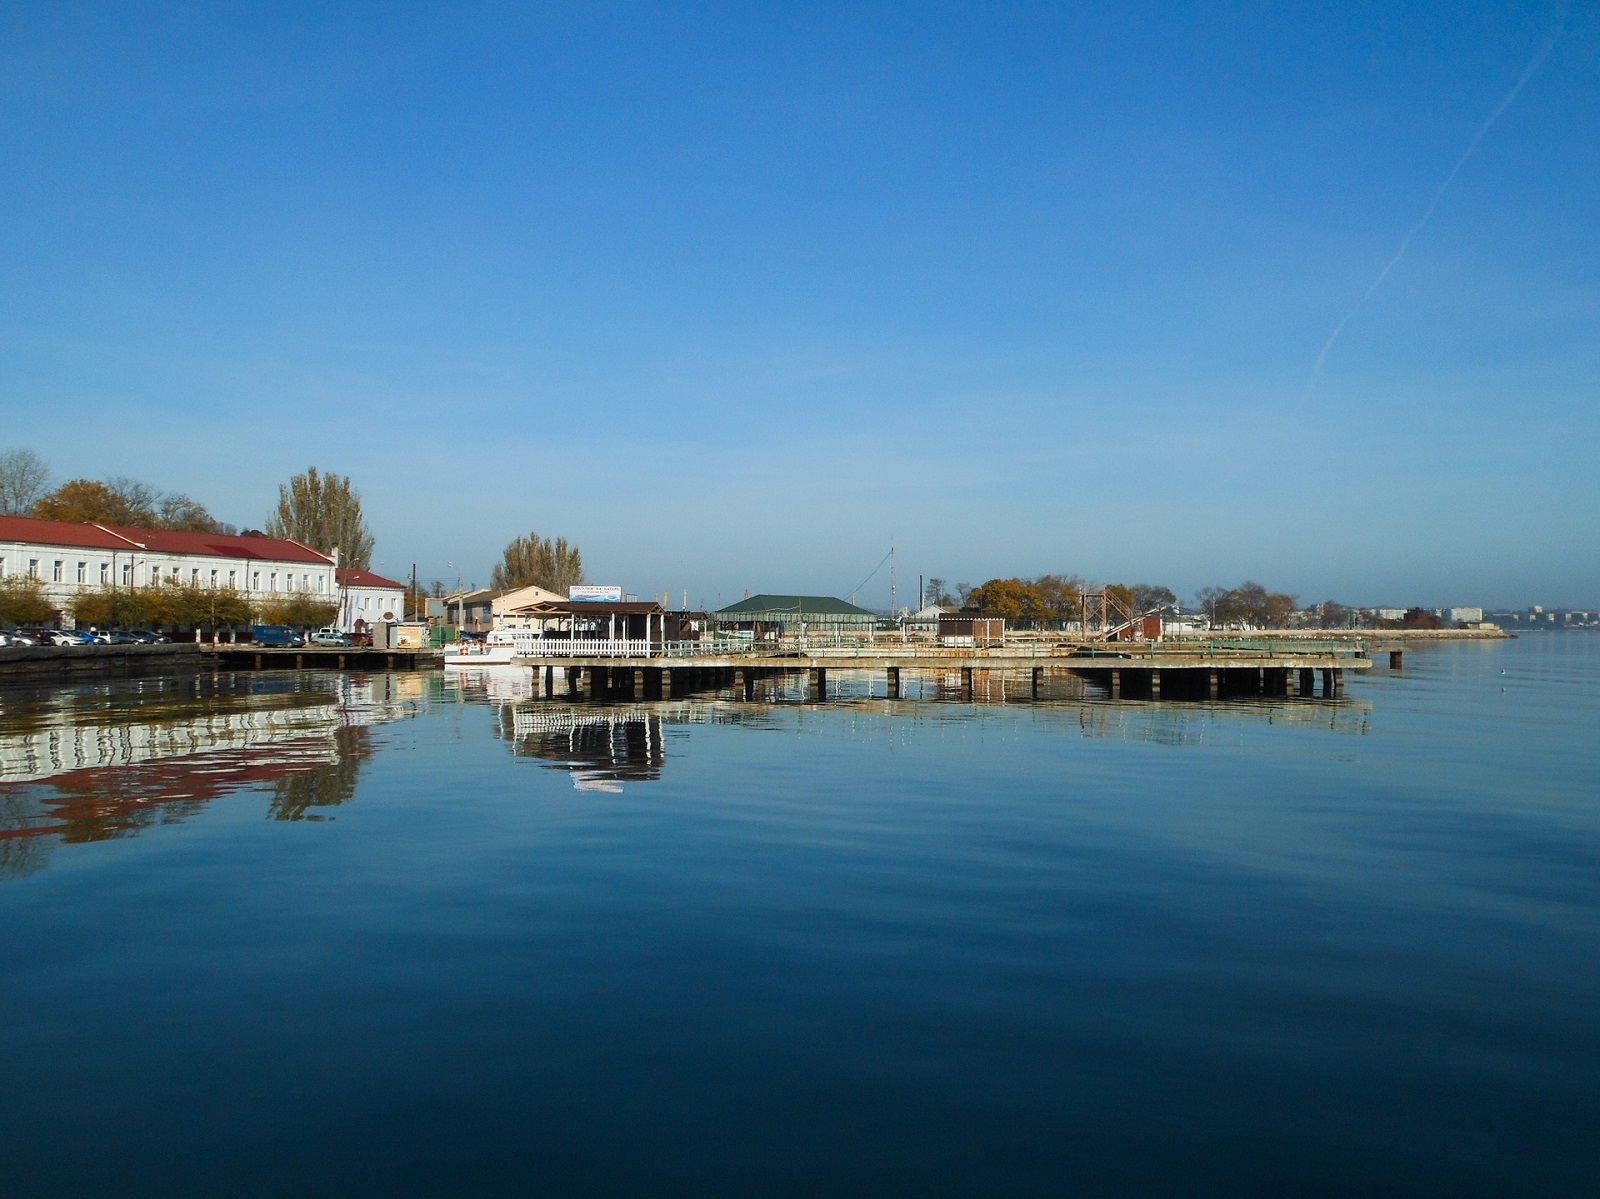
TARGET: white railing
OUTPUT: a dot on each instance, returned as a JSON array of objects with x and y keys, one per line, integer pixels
[{"x": 586, "y": 647}]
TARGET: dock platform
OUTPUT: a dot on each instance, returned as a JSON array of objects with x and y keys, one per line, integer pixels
[{"x": 1133, "y": 670}]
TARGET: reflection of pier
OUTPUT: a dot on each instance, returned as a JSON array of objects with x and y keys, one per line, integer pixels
[{"x": 601, "y": 750}]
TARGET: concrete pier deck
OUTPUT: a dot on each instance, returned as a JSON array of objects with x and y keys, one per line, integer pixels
[{"x": 1134, "y": 670}]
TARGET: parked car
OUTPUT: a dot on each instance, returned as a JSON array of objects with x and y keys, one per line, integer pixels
[
  {"x": 149, "y": 637},
  {"x": 329, "y": 636},
  {"x": 71, "y": 637},
  {"x": 117, "y": 637},
  {"x": 21, "y": 637}
]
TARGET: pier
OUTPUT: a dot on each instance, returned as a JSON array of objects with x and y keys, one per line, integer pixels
[
  {"x": 1126, "y": 671},
  {"x": 245, "y": 655}
]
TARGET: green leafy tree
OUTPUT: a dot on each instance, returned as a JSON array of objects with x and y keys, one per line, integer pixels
[
  {"x": 23, "y": 601},
  {"x": 533, "y": 561},
  {"x": 324, "y": 512}
]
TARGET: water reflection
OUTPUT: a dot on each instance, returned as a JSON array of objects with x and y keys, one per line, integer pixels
[
  {"x": 93, "y": 763},
  {"x": 603, "y": 744}
]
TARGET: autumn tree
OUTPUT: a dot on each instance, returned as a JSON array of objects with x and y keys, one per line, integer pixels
[
  {"x": 1248, "y": 604},
  {"x": 533, "y": 561},
  {"x": 1148, "y": 596},
  {"x": 23, "y": 475},
  {"x": 124, "y": 501},
  {"x": 299, "y": 611},
  {"x": 23, "y": 601},
  {"x": 1334, "y": 615},
  {"x": 324, "y": 512}
]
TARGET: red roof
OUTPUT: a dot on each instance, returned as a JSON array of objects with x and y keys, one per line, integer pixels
[
  {"x": 355, "y": 577},
  {"x": 59, "y": 532},
  {"x": 172, "y": 541},
  {"x": 159, "y": 541}
]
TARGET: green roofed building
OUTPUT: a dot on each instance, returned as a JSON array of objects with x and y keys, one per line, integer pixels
[{"x": 787, "y": 614}]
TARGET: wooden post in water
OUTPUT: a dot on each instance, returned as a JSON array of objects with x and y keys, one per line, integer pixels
[
  {"x": 892, "y": 680},
  {"x": 1212, "y": 683},
  {"x": 666, "y": 684},
  {"x": 1396, "y": 659},
  {"x": 1155, "y": 684},
  {"x": 1038, "y": 674},
  {"x": 819, "y": 684},
  {"x": 1116, "y": 684},
  {"x": 966, "y": 683}
]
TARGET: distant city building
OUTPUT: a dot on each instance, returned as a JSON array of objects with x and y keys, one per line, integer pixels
[
  {"x": 1464, "y": 615},
  {"x": 1391, "y": 613}
]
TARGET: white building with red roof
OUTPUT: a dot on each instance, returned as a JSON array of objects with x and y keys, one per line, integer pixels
[
  {"x": 369, "y": 598},
  {"x": 68, "y": 558}
]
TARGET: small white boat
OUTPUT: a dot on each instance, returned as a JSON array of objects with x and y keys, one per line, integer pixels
[{"x": 497, "y": 649}]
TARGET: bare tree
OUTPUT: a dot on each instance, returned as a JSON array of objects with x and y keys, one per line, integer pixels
[
  {"x": 324, "y": 512},
  {"x": 23, "y": 475},
  {"x": 538, "y": 562}
]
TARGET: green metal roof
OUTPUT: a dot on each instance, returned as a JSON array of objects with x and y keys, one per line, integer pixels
[{"x": 791, "y": 605}]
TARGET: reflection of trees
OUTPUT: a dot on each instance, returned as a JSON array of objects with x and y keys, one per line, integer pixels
[
  {"x": 20, "y": 853},
  {"x": 325, "y": 786}
]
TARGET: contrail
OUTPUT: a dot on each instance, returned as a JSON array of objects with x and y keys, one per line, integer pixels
[{"x": 1505, "y": 102}]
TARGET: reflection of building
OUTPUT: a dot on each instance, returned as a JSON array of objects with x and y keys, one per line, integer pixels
[{"x": 139, "y": 757}]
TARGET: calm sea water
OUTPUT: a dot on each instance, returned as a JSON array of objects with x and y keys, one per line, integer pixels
[{"x": 399, "y": 935}]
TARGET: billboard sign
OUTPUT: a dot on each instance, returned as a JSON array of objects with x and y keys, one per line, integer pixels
[{"x": 611, "y": 595}]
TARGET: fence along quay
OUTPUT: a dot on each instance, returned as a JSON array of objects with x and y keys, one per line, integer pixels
[{"x": 1121, "y": 670}]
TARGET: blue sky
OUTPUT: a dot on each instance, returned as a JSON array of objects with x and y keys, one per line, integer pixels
[{"x": 732, "y": 295}]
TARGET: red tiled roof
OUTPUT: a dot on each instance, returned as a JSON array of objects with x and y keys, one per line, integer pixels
[
  {"x": 161, "y": 541},
  {"x": 172, "y": 541},
  {"x": 355, "y": 577},
  {"x": 59, "y": 532}
]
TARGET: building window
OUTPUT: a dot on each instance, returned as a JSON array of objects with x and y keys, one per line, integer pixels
[
  {"x": 233, "y": 579},
  {"x": 127, "y": 574},
  {"x": 155, "y": 574},
  {"x": 33, "y": 568},
  {"x": 194, "y": 576},
  {"x": 305, "y": 582},
  {"x": 255, "y": 580},
  {"x": 213, "y": 577},
  {"x": 174, "y": 576},
  {"x": 105, "y": 573},
  {"x": 56, "y": 575},
  {"x": 83, "y": 572},
  {"x": 274, "y": 581},
  {"x": 322, "y": 582}
]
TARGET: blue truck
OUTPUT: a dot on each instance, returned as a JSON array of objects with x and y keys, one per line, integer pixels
[{"x": 275, "y": 636}]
